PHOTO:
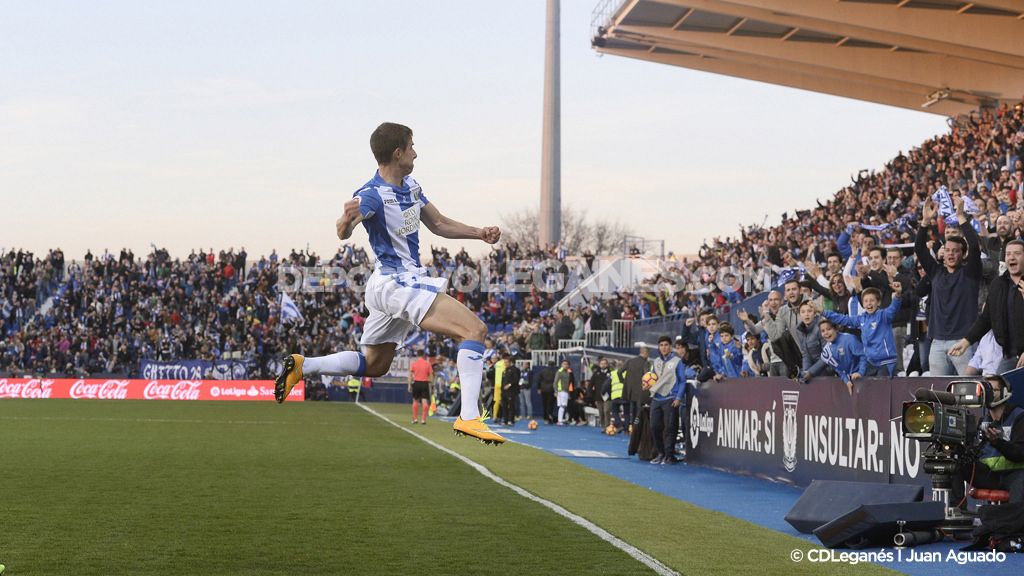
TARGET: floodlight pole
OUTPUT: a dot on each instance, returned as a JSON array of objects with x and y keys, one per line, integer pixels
[{"x": 550, "y": 215}]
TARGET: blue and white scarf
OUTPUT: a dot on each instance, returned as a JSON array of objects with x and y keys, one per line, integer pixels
[
  {"x": 789, "y": 274},
  {"x": 903, "y": 224},
  {"x": 946, "y": 208}
]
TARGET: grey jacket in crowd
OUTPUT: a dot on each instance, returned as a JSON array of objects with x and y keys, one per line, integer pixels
[{"x": 809, "y": 339}]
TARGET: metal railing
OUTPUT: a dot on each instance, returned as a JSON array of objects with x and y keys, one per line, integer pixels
[
  {"x": 622, "y": 333},
  {"x": 599, "y": 338},
  {"x": 602, "y": 15},
  {"x": 644, "y": 247},
  {"x": 564, "y": 344},
  {"x": 543, "y": 357}
]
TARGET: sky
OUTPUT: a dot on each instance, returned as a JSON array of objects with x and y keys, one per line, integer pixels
[{"x": 225, "y": 124}]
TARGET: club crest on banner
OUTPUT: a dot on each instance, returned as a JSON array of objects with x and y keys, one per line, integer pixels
[{"x": 790, "y": 398}]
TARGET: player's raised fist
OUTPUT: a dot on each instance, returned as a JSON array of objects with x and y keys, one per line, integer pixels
[
  {"x": 491, "y": 234},
  {"x": 351, "y": 215},
  {"x": 351, "y": 209}
]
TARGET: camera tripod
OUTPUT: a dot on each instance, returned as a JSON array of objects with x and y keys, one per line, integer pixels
[{"x": 958, "y": 521}]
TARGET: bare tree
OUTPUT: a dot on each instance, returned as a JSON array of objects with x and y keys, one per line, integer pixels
[
  {"x": 579, "y": 233},
  {"x": 520, "y": 228},
  {"x": 607, "y": 236}
]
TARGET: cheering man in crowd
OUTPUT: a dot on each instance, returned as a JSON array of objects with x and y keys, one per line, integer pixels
[{"x": 953, "y": 301}]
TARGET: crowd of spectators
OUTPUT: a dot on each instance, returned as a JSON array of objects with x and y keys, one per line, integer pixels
[
  {"x": 109, "y": 312},
  {"x": 25, "y": 283},
  {"x": 104, "y": 314},
  {"x": 902, "y": 256}
]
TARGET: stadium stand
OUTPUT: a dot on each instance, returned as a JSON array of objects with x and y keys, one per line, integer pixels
[{"x": 104, "y": 314}]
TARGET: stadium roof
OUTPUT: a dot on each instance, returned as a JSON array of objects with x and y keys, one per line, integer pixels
[{"x": 942, "y": 56}]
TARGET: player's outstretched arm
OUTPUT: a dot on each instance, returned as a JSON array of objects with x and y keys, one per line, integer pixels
[
  {"x": 445, "y": 227},
  {"x": 349, "y": 219}
]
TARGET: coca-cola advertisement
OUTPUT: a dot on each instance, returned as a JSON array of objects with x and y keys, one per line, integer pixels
[
  {"x": 27, "y": 388},
  {"x": 96, "y": 389}
]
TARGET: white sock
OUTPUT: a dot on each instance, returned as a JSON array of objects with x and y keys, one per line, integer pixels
[
  {"x": 341, "y": 364},
  {"x": 561, "y": 414},
  {"x": 471, "y": 371}
]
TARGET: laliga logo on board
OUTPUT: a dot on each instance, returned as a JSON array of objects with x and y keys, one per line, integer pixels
[
  {"x": 182, "y": 390},
  {"x": 227, "y": 391},
  {"x": 34, "y": 388},
  {"x": 790, "y": 398},
  {"x": 109, "y": 390},
  {"x": 699, "y": 422}
]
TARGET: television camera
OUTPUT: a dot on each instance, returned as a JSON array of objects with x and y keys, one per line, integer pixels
[{"x": 948, "y": 423}]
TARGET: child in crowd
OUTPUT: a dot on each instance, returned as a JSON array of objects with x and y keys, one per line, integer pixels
[
  {"x": 728, "y": 358},
  {"x": 753, "y": 361},
  {"x": 843, "y": 352},
  {"x": 710, "y": 339},
  {"x": 808, "y": 336},
  {"x": 875, "y": 327}
]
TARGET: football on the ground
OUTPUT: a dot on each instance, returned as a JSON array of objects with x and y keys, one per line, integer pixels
[{"x": 532, "y": 425}]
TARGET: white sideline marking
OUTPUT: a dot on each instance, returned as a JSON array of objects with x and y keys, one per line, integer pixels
[
  {"x": 601, "y": 533},
  {"x": 586, "y": 453}
]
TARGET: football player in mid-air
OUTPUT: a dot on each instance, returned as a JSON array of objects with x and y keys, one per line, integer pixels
[{"x": 399, "y": 294}]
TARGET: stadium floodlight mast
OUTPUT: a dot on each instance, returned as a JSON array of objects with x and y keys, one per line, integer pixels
[{"x": 550, "y": 215}]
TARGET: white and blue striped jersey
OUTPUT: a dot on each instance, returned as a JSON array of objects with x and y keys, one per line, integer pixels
[{"x": 391, "y": 217}]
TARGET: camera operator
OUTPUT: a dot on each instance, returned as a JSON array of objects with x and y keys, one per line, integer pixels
[{"x": 1000, "y": 464}]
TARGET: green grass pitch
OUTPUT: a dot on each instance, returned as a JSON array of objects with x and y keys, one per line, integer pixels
[{"x": 163, "y": 487}]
